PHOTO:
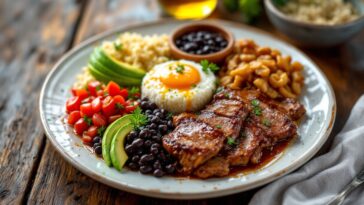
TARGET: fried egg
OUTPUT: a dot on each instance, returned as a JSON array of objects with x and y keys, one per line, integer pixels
[{"x": 179, "y": 86}]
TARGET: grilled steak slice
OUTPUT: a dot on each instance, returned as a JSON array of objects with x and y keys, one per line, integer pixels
[
  {"x": 254, "y": 121},
  {"x": 264, "y": 114},
  {"x": 275, "y": 124},
  {"x": 193, "y": 143},
  {"x": 183, "y": 117},
  {"x": 225, "y": 115},
  {"x": 248, "y": 143},
  {"x": 230, "y": 127},
  {"x": 227, "y": 108},
  {"x": 217, "y": 166},
  {"x": 294, "y": 109}
]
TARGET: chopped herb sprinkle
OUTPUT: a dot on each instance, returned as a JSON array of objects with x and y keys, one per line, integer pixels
[
  {"x": 219, "y": 89},
  {"x": 87, "y": 120},
  {"x": 180, "y": 68},
  {"x": 218, "y": 126},
  {"x": 119, "y": 106},
  {"x": 256, "y": 109},
  {"x": 230, "y": 141},
  {"x": 255, "y": 102},
  {"x": 118, "y": 46},
  {"x": 266, "y": 122},
  {"x": 101, "y": 130},
  {"x": 133, "y": 91}
]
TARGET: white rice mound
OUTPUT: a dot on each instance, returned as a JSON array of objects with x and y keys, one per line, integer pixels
[{"x": 178, "y": 101}]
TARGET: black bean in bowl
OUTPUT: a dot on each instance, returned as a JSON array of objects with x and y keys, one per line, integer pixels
[
  {"x": 144, "y": 145},
  {"x": 201, "y": 42}
]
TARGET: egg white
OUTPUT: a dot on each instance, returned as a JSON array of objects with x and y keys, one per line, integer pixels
[{"x": 175, "y": 100}]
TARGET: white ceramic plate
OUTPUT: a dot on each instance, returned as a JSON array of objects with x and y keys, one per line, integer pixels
[{"x": 318, "y": 98}]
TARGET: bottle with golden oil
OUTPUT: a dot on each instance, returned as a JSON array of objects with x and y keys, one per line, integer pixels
[{"x": 189, "y": 9}]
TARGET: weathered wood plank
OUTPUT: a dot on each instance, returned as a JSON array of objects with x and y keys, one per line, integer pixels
[{"x": 33, "y": 34}]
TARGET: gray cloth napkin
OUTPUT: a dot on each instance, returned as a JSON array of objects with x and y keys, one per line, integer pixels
[{"x": 318, "y": 181}]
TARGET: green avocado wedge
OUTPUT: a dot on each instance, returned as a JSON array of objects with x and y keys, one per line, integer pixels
[
  {"x": 117, "y": 151},
  {"x": 118, "y": 66},
  {"x": 116, "y": 77},
  {"x": 109, "y": 134}
]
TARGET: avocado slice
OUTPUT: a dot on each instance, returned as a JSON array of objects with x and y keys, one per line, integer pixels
[
  {"x": 109, "y": 134},
  {"x": 99, "y": 76},
  {"x": 124, "y": 80},
  {"x": 118, "y": 66},
  {"x": 117, "y": 151}
]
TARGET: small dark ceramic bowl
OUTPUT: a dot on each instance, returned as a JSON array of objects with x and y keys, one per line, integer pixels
[
  {"x": 213, "y": 57},
  {"x": 313, "y": 35}
]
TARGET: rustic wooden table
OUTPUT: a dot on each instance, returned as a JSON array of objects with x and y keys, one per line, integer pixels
[{"x": 34, "y": 34}]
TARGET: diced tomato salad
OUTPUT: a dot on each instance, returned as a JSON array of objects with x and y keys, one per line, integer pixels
[{"x": 92, "y": 109}]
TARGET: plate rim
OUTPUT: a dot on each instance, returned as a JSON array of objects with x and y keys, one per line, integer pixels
[{"x": 176, "y": 195}]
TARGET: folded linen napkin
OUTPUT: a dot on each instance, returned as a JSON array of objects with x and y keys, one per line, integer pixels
[{"x": 318, "y": 181}]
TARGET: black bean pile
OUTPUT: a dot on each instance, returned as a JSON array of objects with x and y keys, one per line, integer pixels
[
  {"x": 96, "y": 145},
  {"x": 144, "y": 145},
  {"x": 201, "y": 42}
]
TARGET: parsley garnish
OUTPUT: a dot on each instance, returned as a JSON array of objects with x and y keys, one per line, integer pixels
[
  {"x": 101, "y": 130},
  {"x": 255, "y": 102},
  {"x": 169, "y": 115},
  {"x": 218, "y": 126},
  {"x": 119, "y": 106},
  {"x": 87, "y": 120},
  {"x": 266, "y": 122},
  {"x": 206, "y": 66},
  {"x": 219, "y": 89},
  {"x": 226, "y": 95},
  {"x": 256, "y": 109},
  {"x": 118, "y": 46},
  {"x": 180, "y": 68},
  {"x": 132, "y": 92},
  {"x": 231, "y": 141},
  {"x": 138, "y": 118}
]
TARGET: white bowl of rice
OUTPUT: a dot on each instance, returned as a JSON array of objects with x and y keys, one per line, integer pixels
[{"x": 317, "y": 23}]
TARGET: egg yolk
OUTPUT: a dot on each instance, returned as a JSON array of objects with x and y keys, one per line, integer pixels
[{"x": 181, "y": 76}]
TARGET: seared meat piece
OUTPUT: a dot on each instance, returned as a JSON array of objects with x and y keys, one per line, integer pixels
[
  {"x": 290, "y": 106},
  {"x": 217, "y": 166},
  {"x": 230, "y": 127},
  {"x": 246, "y": 146},
  {"x": 193, "y": 143},
  {"x": 225, "y": 115},
  {"x": 254, "y": 121},
  {"x": 275, "y": 124},
  {"x": 183, "y": 117},
  {"x": 227, "y": 108}
]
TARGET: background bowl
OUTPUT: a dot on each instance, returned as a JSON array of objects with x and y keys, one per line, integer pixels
[
  {"x": 213, "y": 57},
  {"x": 314, "y": 35}
]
